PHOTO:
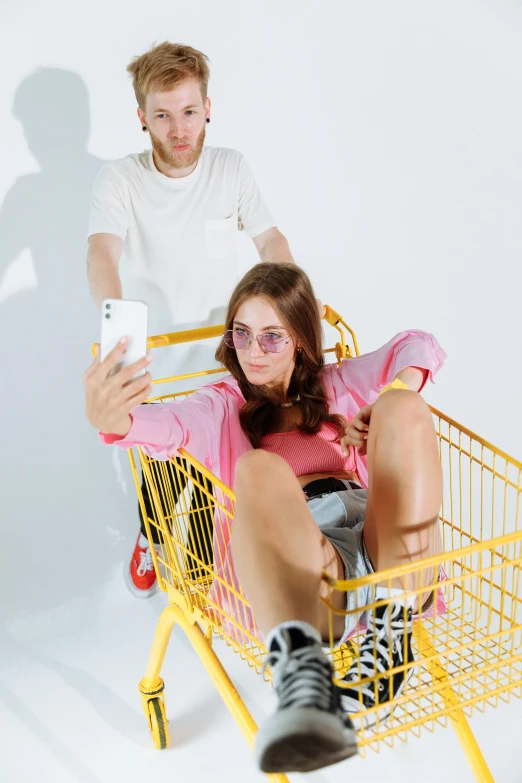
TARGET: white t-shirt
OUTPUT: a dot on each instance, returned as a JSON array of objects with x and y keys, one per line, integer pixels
[{"x": 181, "y": 241}]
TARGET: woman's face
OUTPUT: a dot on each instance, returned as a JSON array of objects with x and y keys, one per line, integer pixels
[{"x": 257, "y": 317}]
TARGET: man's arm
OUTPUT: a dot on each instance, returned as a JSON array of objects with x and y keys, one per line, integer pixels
[
  {"x": 273, "y": 247},
  {"x": 103, "y": 257}
]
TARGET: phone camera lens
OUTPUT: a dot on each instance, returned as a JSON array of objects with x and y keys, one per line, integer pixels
[
  {"x": 107, "y": 315},
  {"x": 107, "y": 307}
]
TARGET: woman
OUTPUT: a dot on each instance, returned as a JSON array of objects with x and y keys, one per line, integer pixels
[{"x": 298, "y": 440}]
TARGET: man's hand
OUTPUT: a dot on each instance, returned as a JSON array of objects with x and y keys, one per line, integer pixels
[
  {"x": 110, "y": 399},
  {"x": 356, "y": 433}
]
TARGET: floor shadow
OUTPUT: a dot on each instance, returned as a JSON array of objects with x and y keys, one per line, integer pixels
[{"x": 128, "y": 721}]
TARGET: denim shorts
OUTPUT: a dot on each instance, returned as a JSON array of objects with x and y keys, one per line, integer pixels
[{"x": 340, "y": 516}]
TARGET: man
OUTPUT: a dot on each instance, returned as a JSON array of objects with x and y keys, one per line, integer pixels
[{"x": 164, "y": 223}]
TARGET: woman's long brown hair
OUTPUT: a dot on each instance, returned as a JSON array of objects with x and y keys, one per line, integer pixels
[{"x": 290, "y": 292}]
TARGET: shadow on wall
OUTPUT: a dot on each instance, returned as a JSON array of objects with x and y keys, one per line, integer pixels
[{"x": 62, "y": 510}]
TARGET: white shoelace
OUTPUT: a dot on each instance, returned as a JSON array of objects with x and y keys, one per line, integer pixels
[
  {"x": 384, "y": 637},
  {"x": 311, "y": 684},
  {"x": 146, "y": 562}
]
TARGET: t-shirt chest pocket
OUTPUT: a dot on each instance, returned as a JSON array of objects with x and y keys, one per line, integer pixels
[{"x": 221, "y": 237}]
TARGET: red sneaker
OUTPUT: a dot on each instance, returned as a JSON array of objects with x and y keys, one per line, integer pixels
[{"x": 141, "y": 577}]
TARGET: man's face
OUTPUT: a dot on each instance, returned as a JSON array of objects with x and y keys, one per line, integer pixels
[{"x": 176, "y": 121}]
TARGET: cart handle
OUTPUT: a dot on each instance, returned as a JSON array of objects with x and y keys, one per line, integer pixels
[{"x": 342, "y": 351}]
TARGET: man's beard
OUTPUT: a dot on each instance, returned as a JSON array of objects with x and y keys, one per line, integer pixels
[{"x": 181, "y": 160}]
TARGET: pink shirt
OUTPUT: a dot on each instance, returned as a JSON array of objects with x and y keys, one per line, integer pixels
[
  {"x": 207, "y": 425},
  {"x": 308, "y": 453}
]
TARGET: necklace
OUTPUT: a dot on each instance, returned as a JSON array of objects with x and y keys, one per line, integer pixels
[{"x": 290, "y": 404}]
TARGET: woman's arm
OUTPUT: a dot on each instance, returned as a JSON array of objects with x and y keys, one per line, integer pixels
[
  {"x": 113, "y": 405},
  {"x": 414, "y": 377},
  {"x": 356, "y": 432},
  {"x": 109, "y": 399},
  {"x": 412, "y": 356}
]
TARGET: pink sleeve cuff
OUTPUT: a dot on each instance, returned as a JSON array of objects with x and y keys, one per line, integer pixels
[
  {"x": 426, "y": 355},
  {"x": 154, "y": 428},
  {"x": 109, "y": 439}
]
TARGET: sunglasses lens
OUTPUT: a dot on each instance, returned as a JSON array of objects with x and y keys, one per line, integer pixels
[
  {"x": 273, "y": 344},
  {"x": 235, "y": 339},
  {"x": 228, "y": 339}
]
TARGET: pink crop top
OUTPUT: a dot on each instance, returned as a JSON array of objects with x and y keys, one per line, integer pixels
[{"x": 308, "y": 454}]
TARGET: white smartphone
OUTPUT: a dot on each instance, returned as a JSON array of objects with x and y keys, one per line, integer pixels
[{"x": 124, "y": 318}]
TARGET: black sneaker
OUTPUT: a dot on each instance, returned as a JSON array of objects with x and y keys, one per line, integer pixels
[
  {"x": 387, "y": 644},
  {"x": 308, "y": 731}
]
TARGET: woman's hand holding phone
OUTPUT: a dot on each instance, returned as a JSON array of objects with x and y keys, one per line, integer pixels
[{"x": 109, "y": 399}]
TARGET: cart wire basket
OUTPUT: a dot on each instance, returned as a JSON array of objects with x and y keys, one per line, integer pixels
[{"x": 466, "y": 642}]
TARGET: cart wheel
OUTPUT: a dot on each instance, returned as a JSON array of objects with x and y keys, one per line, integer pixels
[{"x": 159, "y": 727}]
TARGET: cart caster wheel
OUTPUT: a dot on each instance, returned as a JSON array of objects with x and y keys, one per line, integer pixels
[{"x": 159, "y": 727}]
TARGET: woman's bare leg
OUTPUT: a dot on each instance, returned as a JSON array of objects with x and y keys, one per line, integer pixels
[
  {"x": 405, "y": 485},
  {"x": 279, "y": 551},
  {"x": 400, "y": 527}
]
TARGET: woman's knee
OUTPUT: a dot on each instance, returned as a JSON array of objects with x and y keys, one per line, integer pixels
[
  {"x": 401, "y": 408},
  {"x": 256, "y": 466}
]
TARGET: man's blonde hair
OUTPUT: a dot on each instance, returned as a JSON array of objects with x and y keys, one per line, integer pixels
[{"x": 164, "y": 67}]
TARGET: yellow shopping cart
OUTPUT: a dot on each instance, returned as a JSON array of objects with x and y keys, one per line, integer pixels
[{"x": 467, "y": 647}]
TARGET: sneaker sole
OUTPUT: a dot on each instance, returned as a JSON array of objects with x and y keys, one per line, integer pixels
[
  {"x": 302, "y": 740},
  {"x": 136, "y": 592},
  {"x": 369, "y": 720}
]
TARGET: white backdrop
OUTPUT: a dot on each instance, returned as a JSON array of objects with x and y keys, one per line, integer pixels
[{"x": 387, "y": 141}]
